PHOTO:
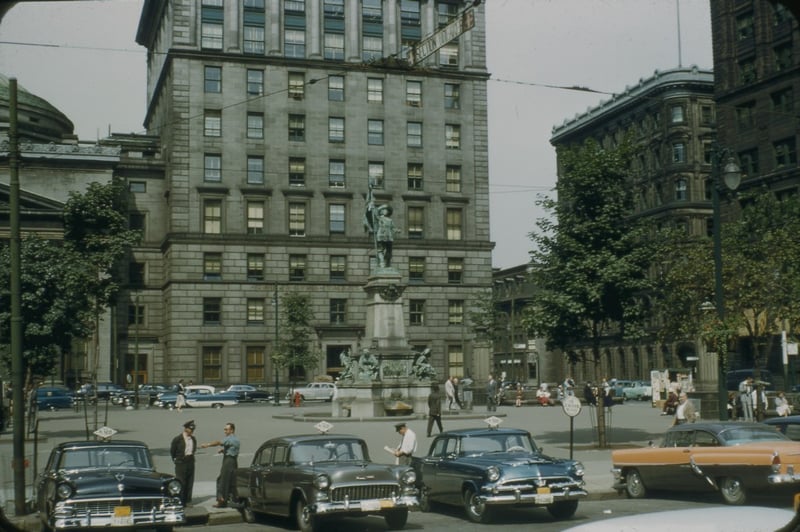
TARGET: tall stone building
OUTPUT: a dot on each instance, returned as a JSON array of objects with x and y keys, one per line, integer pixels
[{"x": 270, "y": 118}]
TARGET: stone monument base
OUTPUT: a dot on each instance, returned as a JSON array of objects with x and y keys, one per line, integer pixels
[{"x": 379, "y": 399}]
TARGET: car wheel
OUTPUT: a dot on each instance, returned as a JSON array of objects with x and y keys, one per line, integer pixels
[
  {"x": 424, "y": 499},
  {"x": 396, "y": 519},
  {"x": 476, "y": 508},
  {"x": 732, "y": 491},
  {"x": 634, "y": 487},
  {"x": 248, "y": 515},
  {"x": 217, "y": 405},
  {"x": 306, "y": 522},
  {"x": 563, "y": 509}
]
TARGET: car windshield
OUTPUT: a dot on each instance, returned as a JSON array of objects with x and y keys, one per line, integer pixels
[
  {"x": 327, "y": 451},
  {"x": 496, "y": 443},
  {"x": 740, "y": 435},
  {"x": 116, "y": 457}
]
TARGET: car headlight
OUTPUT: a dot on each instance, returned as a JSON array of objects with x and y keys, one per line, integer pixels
[
  {"x": 174, "y": 487},
  {"x": 493, "y": 473},
  {"x": 322, "y": 482},
  {"x": 578, "y": 468},
  {"x": 409, "y": 478},
  {"x": 64, "y": 491}
]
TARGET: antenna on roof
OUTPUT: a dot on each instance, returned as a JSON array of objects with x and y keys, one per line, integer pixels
[{"x": 678, "y": 13}]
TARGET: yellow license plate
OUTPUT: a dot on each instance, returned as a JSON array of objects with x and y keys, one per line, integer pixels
[
  {"x": 387, "y": 503},
  {"x": 122, "y": 516},
  {"x": 122, "y": 511},
  {"x": 542, "y": 491}
]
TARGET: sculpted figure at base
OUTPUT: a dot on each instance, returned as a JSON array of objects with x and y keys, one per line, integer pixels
[
  {"x": 422, "y": 368},
  {"x": 368, "y": 366},
  {"x": 349, "y": 366}
]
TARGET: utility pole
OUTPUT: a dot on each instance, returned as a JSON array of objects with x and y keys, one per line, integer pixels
[{"x": 276, "y": 395}]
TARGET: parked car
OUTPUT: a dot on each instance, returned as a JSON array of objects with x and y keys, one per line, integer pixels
[
  {"x": 247, "y": 393},
  {"x": 733, "y": 458},
  {"x": 484, "y": 469},
  {"x": 102, "y": 484},
  {"x": 313, "y": 478},
  {"x": 148, "y": 393},
  {"x": 314, "y": 391},
  {"x": 105, "y": 391},
  {"x": 788, "y": 425},
  {"x": 640, "y": 391},
  {"x": 54, "y": 398},
  {"x": 198, "y": 396},
  {"x": 618, "y": 386}
]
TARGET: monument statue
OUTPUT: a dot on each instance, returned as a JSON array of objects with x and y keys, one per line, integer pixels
[
  {"x": 378, "y": 221},
  {"x": 422, "y": 368},
  {"x": 349, "y": 365},
  {"x": 368, "y": 366}
]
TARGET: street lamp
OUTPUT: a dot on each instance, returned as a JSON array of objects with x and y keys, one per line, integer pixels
[
  {"x": 731, "y": 175},
  {"x": 276, "y": 395}
]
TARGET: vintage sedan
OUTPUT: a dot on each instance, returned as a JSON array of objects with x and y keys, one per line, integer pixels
[
  {"x": 102, "y": 484},
  {"x": 313, "y": 478},
  {"x": 734, "y": 458},
  {"x": 789, "y": 425},
  {"x": 486, "y": 468},
  {"x": 247, "y": 393},
  {"x": 198, "y": 396}
]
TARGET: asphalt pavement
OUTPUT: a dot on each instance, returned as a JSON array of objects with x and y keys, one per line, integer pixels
[{"x": 633, "y": 424}]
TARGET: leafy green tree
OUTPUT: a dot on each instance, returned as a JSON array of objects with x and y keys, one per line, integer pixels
[
  {"x": 295, "y": 344},
  {"x": 590, "y": 259},
  {"x": 485, "y": 318}
]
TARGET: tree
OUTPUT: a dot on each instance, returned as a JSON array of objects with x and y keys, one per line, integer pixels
[
  {"x": 590, "y": 259},
  {"x": 295, "y": 345},
  {"x": 485, "y": 318}
]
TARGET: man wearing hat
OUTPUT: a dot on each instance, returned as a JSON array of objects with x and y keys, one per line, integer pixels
[
  {"x": 407, "y": 446},
  {"x": 182, "y": 452},
  {"x": 384, "y": 235}
]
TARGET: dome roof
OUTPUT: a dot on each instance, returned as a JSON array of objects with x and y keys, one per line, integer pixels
[{"x": 37, "y": 119}]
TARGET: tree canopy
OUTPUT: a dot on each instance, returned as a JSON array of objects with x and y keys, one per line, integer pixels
[{"x": 295, "y": 342}]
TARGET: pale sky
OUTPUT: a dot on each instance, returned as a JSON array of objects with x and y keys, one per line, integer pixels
[{"x": 94, "y": 72}]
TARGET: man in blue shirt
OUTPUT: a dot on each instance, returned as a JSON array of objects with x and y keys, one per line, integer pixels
[{"x": 226, "y": 482}]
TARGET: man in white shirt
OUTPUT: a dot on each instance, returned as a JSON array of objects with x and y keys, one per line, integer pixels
[
  {"x": 685, "y": 413},
  {"x": 408, "y": 445}
]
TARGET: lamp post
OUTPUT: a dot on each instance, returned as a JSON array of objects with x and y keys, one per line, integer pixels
[
  {"x": 138, "y": 317},
  {"x": 276, "y": 395},
  {"x": 731, "y": 175}
]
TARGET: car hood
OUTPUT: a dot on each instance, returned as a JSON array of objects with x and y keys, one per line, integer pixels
[
  {"x": 526, "y": 464},
  {"x": 358, "y": 471},
  {"x": 106, "y": 483}
]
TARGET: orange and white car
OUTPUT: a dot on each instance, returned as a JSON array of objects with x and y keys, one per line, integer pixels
[{"x": 733, "y": 458}]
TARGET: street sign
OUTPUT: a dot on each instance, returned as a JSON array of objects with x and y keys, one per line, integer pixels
[
  {"x": 571, "y": 405},
  {"x": 424, "y": 48}
]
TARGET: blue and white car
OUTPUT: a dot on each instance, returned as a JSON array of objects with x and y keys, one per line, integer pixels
[{"x": 198, "y": 396}]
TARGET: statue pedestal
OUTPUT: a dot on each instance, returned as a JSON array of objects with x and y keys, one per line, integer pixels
[{"x": 379, "y": 399}]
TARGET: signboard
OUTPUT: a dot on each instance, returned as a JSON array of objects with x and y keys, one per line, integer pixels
[
  {"x": 571, "y": 405},
  {"x": 424, "y": 48}
]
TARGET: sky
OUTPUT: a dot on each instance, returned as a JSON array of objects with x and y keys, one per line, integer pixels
[{"x": 82, "y": 57}]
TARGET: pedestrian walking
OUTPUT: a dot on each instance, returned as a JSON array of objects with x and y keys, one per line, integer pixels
[
  {"x": 182, "y": 451},
  {"x": 226, "y": 482},
  {"x": 466, "y": 387},
  {"x": 685, "y": 413},
  {"x": 408, "y": 444},
  {"x": 451, "y": 391},
  {"x": 434, "y": 409},
  {"x": 491, "y": 394},
  {"x": 180, "y": 398}
]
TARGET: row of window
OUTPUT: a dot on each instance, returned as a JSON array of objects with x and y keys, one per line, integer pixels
[
  {"x": 298, "y": 268},
  {"x": 336, "y": 87},
  {"x": 781, "y": 103}
]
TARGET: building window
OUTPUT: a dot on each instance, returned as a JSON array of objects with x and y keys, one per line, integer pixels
[
  {"x": 297, "y": 128},
  {"x": 297, "y": 85},
  {"x": 212, "y": 123},
  {"x": 747, "y": 71},
  {"x": 676, "y": 114},
  {"x": 255, "y": 310},
  {"x": 213, "y": 79},
  {"x": 336, "y": 217},
  {"x": 212, "y": 17},
  {"x": 414, "y": 93},
  {"x": 783, "y": 100},
  {"x": 137, "y": 187},
  {"x": 372, "y": 10},
  {"x": 255, "y": 82},
  {"x": 297, "y": 219},
  {"x": 297, "y": 172},
  {"x": 744, "y": 26},
  {"x": 136, "y": 315},
  {"x": 294, "y": 43},
  {"x": 455, "y": 270},
  {"x": 212, "y": 311},
  {"x": 334, "y": 46},
  {"x": 453, "y": 178},
  {"x": 212, "y": 168},
  {"x": 748, "y": 161},
  {"x": 254, "y": 23},
  {"x": 212, "y": 266},
  {"x": 297, "y": 267},
  {"x": 783, "y": 57},
  {"x": 338, "y": 310},
  {"x": 137, "y": 221},
  {"x": 255, "y": 371},
  {"x": 334, "y": 9},
  {"x": 780, "y": 15},
  {"x": 255, "y": 217},
  {"x": 255, "y": 125},
  {"x": 678, "y": 152},
  {"x": 212, "y": 216},
  {"x": 336, "y": 88},
  {"x": 706, "y": 115},
  {"x": 375, "y": 132},
  {"x": 336, "y": 173},
  {"x": 255, "y": 170},
  {"x": 416, "y": 222},
  {"x": 416, "y": 312},
  {"x": 375, "y": 174},
  {"x": 416, "y": 269},
  {"x": 136, "y": 274},
  {"x": 453, "y": 224},
  {"x": 447, "y": 11},
  {"x": 681, "y": 190},
  {"x": 336, "y": 129},
  {"x": 785, "y": 152},
  {"x": 455, "y": 359},
  {"x": 212, "y": 364},
  {"x": 708, "y": 152},
  {"x": 455, "y": 312},
  {"x": 294, "y": 6},
  {"x": 452, "y": 137},
  {"x": 414, "y": 171},
  {"x": 745, "y": 114},
  {"x": 448, "y": 55},
  {"x": 371, "y": 47},
  {"x": 337, "y": 267},
  {"x": 414, "y": 134},
  {"x": 452, "y": 96},
  {"x": 255, "y": 267},
  {"x": 374, "y": 90}
]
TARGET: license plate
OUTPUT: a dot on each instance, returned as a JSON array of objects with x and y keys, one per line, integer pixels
[
  {"x": 387, "y": 503},
  {"x": 371, "y": 505},
  {"x": 122, "y": 516},
  {"x": 543, "y": 496}
]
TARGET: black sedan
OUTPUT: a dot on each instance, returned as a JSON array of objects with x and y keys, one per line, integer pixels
[
  {"x": 483, "y": 469},
  {"x": 314, "y": 478},
  {"x": 101, "y": 484},
  {"x": 789, "y": 425},
  {"x": 247, "y": 393}
]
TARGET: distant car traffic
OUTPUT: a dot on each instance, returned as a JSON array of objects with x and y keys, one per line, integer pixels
[
  {"x": 91, "y": 485},
  {"x": 733, "y": 458},
  {"x": 640, "y": 391},
  {"x": 198, "y": 396},
  {"x": 247, "y": 393},
  {"x": 314, "y": 391},
  {"x": 54, "y": 398},
  {"x": 105, "y": 391}
]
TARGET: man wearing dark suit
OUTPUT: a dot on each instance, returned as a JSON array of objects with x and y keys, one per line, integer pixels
[{"x": 182, "y": 451}]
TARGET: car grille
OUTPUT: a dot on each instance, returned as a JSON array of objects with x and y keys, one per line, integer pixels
[
  {"x": 556, "y": 484},
  {"x": 364, "y": 491},
  {"x": 106, "y": 507}
]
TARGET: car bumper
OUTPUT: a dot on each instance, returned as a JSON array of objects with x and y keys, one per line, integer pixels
[
  {"x": 369, "y": 506},
  {"x": 76, "y": 517},
  {"x": 505, "y": 495},
  {"x": 783, "y": 479}
]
